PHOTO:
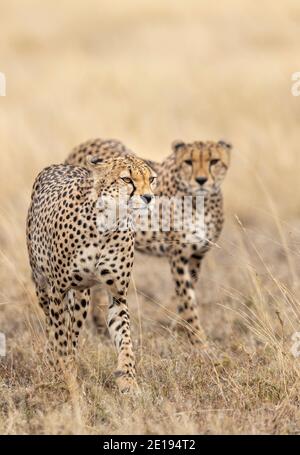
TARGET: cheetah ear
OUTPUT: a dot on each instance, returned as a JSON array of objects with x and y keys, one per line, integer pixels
[
  {"x": 177, "y": 145},
  {"x": 226, "y": 145},
  {"x": 93, "y": 161},
  {"x": 99, "y": 167}
]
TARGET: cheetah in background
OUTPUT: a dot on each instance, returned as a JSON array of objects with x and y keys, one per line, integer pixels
[
  {"x": 69, "y": 253},
  {"x": 192, "y": 169}
]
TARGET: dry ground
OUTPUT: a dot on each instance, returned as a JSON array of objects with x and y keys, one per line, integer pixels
[{"x": 147, "y": 73}]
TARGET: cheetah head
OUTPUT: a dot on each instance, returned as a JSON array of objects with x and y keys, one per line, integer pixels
[
  {"x": 201, "y": 166},
  {"x": 128, "y": 178}
]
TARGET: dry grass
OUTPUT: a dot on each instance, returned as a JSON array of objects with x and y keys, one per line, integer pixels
[{"x": 147, "y": 73}]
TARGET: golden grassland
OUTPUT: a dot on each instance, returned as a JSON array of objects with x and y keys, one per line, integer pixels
[{"x": 148, "y": 73}]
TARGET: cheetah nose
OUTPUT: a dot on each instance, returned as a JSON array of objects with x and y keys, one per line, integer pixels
[
  {"x": 201, "y": 180},
  {"x": 147, "y": 198}
]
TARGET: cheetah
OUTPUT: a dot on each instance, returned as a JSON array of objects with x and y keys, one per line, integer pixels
[
  {"x": 195, "y": 168},
  {"x": 71, "y": 250}
]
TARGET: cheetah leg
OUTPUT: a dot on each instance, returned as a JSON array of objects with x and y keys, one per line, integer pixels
[
  {"x": 78, "y": 303},
  {"x": 59, "y": 330},
  {"x": 61, "y": 354},
  {"x": 64, "y": 322},
  {"x": 99, "y": 305},
  {"x": 119, "y": 329},
  {"x": 43, "y": 299},
  {"x": 187, "y": 308},
  {"x": 195, "y": 266},
  {"x": 44, "y": 302}
]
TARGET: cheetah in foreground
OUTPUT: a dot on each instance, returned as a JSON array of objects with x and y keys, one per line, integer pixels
[
  {"x": 196, "y": 168},
  {"x": 71, "y": 250}
]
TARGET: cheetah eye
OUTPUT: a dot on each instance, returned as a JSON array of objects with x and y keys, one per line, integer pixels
[
  {"x": 213, "y": 162},
  {"x": 189, "y": 162},
  {"x": 126, "y": 179},
  {"x": 151, "y": 179}
]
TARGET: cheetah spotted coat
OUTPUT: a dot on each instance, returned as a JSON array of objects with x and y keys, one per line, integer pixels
[{"x": 192, "y": 167}]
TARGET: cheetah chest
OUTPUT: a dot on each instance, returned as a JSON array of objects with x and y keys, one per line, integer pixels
[{"x": 109, "y": 264}]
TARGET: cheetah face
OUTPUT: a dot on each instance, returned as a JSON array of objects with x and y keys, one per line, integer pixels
[
  {"x": 138, "y": 184},
  {"x": 201, "y": 166},
  {"x": 129, "y": 179}
]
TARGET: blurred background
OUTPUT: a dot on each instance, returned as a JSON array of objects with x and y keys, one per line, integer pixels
[{"x": 148, "y": 72}]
